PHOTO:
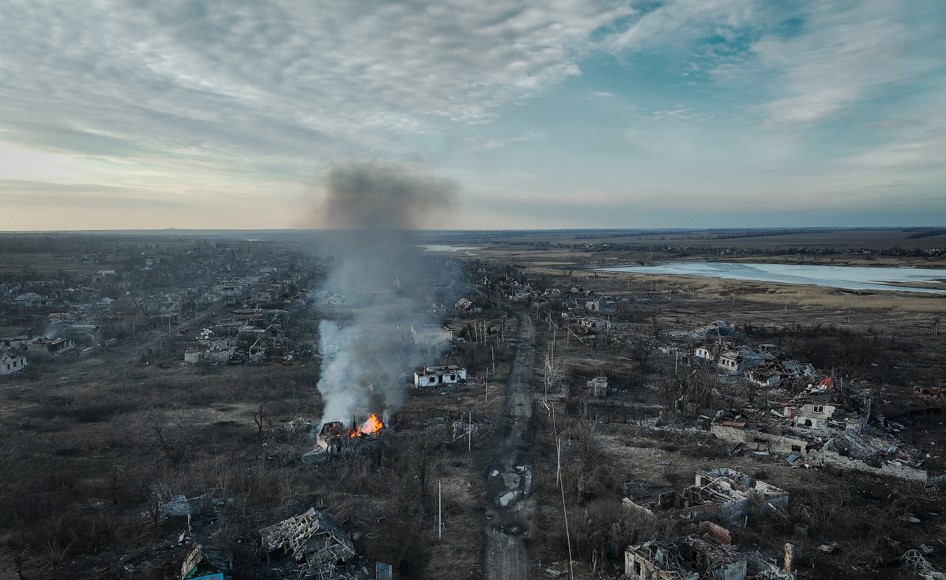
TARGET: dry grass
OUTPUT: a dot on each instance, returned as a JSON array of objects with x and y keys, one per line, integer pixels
[{"x": 44, "y": 264}]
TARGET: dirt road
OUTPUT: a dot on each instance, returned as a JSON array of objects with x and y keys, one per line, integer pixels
[{"x": 510, "y": 510}]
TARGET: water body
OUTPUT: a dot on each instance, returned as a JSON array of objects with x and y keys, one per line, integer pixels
[
  {"x": 844, "y": 277},
  {"x": 442, "y": 248}
]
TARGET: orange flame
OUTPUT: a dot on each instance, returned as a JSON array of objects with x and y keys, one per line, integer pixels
[{"x": 372, "y": 425}]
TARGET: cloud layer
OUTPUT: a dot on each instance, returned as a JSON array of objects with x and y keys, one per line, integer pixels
[{"x": 251, "y": 102}]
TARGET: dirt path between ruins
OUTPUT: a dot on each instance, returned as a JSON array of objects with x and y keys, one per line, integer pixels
[{"x": 510, "y": 511}]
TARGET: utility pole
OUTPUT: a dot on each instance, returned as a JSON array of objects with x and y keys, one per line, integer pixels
[
  {"x": 568, "y": 538},
  {"x": 469, "y": 434},
  {"x": 558, "y": 465},
  {"x": 439, "y": 512}
]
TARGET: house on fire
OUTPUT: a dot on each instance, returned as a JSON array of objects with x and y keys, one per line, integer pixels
[{"x": 438, "y": 376}]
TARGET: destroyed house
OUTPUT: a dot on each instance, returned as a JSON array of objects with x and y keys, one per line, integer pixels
[
  {"x": 437, "y": 376},
  {"x": 796, "y": 370},
  {"x": 735, "y": 491},
  {"x": 763, "y": 438},
  {"x": 768, "y": 376},
  {"x": 738, "y": 361},
  {"x": 11, "y": 363},
  {"x": 723, "y": 493},
  {"x": 690, "y": 559},
  {"x": 705, "y": 353},
  {"x": 202, "y": 563},
  {"x": 52, "y": 346},
  {"x": 313, "y": 538},
  {"x": 811, "y": 415},
  {"x": 820, "y": 408}
]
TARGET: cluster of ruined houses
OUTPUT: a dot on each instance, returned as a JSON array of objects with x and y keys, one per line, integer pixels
[
  {"x": 308, "y": 545},
  {"x": 720, "y": 495},
  {"x": 249, "y": 336},
  {"x": 763, "y": 366},
  {"x": 828, "y": 423},
  {"x": 74, "y": 312},
  {"x": 16, "y": 350}
]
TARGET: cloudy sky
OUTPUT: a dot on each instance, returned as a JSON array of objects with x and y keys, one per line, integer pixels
[{"x": 677, "y": 113}]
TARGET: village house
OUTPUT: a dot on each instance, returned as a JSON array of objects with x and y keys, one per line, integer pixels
[
  {"x": 437, "y": 376},
  {"x": 705, "y": 353},
  {"x": 739, "y": 360},
  {"x": 29, "y": 300},
  {"x": 768, "y": 376},
  {"x": 52, "y": 346},
  {"x": 11, "y": 363},
  {"x": 824, "y": 407}
]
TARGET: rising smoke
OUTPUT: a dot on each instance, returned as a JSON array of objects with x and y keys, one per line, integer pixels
[{"x": 378, "y": 268}]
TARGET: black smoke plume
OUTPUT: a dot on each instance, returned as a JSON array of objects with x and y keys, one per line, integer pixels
[{"x": 378, "y": 268}]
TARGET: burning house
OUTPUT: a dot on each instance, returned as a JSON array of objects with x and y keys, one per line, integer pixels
[{"x": 335, "y": 437}]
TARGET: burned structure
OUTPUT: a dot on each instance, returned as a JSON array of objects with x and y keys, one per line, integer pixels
[
  {"x": 314, "y": 544},
  {"x": 336, "y": 438},
  {"x": 827, "y": 424},
  {"x": 721, "y": 493},
  {"x": 689, "y": 559}
]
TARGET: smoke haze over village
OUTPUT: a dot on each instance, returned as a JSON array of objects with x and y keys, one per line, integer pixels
[
  {"x": 730, "y": 113},
  {"x": 380, "y": 206}
]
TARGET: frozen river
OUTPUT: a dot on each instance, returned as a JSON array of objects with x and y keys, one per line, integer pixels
[
  {"x": 443, "y": 248},
  {"x": 846, "y": 277}
]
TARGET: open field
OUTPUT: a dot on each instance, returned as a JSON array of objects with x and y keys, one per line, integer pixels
[{"x": 29, "y": 265}]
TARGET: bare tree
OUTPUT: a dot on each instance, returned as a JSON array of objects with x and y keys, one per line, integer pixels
[
  {"x": 258, "y": 419},
  {"x": 172, "y": 439}
]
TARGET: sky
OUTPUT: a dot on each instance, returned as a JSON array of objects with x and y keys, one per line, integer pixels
[{"x": 552, "y": 114}]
